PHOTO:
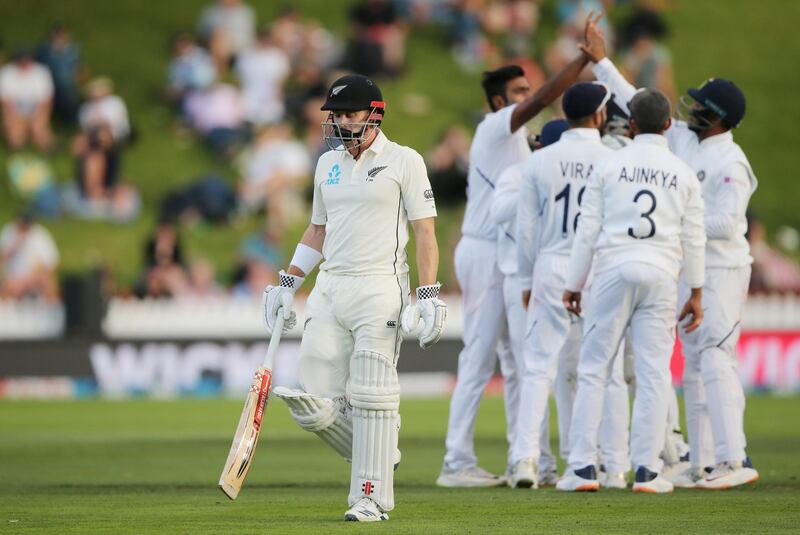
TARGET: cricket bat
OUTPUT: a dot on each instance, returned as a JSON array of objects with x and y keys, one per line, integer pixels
[{"x": 240, "y": 458}]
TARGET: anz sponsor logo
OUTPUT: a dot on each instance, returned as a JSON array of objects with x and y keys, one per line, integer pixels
[{"x": 334, "y": 175}]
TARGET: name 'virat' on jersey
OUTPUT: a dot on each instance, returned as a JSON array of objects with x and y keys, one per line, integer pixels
[{"x": 554, "y": 181}]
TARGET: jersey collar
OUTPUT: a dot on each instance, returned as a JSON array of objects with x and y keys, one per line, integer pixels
[
  {"x": 378, "y": 144},
  {"x": 581, "y": 133},
  {"x": 651, "y": 139},
  {"x": 719, "y": 138}
]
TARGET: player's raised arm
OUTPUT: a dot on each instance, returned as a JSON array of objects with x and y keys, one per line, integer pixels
[
  {"x": 555, "y": 86},
  {"x": 604, "y": 69}
]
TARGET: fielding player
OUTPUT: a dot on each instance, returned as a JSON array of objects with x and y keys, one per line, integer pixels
[
  {"x": 616, "y": 134},
  {"x": 549, "y": 209},
  {"x": 712, "y": 387},
  {"x": 642, "y": 213},
  {"x": 366, "y": 190},
  {"x": 500, "y": 141},
  {"x": 503, "y": 211}
]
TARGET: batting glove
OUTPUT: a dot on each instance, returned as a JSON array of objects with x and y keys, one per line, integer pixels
[
  {"x": 425, "y": 318},
  {"x": 278, "y": 300}
]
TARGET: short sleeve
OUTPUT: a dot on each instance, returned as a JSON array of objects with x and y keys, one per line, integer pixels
[
  {"x": 319, "y": 215},
  {"x": 498, "y": 124},
  {"x": 416, "y": 188}
]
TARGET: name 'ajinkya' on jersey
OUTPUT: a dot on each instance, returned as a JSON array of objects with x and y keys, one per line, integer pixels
[
  {"x": 553, "y": 185},
  {"x": 642, "y": 204},
  {"x": 494, "y": 148},
  {"x": 724, "y": 172},
  {"x": 366, "y": 205}
]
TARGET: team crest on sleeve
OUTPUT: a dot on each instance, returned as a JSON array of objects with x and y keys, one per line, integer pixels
[
  {"x": 701, "y": 175},
  {"x": 334, "y": 175}
]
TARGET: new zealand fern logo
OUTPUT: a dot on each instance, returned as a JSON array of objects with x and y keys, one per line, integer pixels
[
  {"x": 334, "y": 175},
  {"x": 375, "y": 170}
]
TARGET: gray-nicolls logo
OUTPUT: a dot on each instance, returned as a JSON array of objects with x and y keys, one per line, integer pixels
[{"x": 338, "y": 89}]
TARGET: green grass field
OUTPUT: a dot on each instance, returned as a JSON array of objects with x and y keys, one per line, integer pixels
[
  {"x": 152, "y": 467},
  {"x": 750, "y": 42}
]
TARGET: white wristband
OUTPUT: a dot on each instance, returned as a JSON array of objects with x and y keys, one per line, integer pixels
[{"x": 305, "y": 258}]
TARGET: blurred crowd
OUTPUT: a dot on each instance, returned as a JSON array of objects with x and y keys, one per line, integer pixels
[{"x": 251, "y": 95}]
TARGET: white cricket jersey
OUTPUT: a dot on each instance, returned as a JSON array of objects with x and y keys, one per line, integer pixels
[
  {"x": 503, "y": 211},
  {"x": 494, "y": 147},
  {"x": 553, "y": 185},
  {"x": 642, "y": 204},
  {"x": 724, "y": 172},
  {"x": 366, "y": 205}
]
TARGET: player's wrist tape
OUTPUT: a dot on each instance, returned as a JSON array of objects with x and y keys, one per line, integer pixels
[
  {"x": 289, "y": 281},
  {"x": 431, "y": 291},
  {"x": 305, "y": 258}
]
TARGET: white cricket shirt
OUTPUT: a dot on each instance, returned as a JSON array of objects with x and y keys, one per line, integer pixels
[
  {"x": 494, "y": 148},
  {"x": 726, "y": 176},
  {"x": 366, "y": 205},
  {"x": 642, "y": 204},
  {"x": 503, "y": 211},
  {"x": 553, "y": 186}
]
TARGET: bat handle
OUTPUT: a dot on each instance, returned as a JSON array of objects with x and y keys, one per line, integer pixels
[{"x": 274, "y": 341}]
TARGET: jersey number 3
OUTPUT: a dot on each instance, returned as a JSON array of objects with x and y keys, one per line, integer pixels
[{"x": 645, "y": 215}]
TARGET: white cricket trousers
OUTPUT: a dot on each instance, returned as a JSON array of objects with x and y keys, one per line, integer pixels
[
  {"x": 713, "y": 391},
  {"x": 481, "y": 285},
  {"x": 345, "y": 314},
  {"x": 550, "y": 359},
  {"x": 513, "y": 340},
  {"x": 644, "y": 297}
]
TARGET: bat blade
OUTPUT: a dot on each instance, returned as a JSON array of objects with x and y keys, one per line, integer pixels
[{"x": 243, "y": 448}]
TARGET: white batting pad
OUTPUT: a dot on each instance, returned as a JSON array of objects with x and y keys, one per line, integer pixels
[
  {"x": 329, "y": 419},
  {"x": 375, "y": 396}
]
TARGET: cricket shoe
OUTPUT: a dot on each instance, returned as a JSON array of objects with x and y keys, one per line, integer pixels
[
  {"x": 613, "y": 480},
  {"x": 683, "y": 476},
  {"x": 473, "y": 476},
  {"x": 523, "y": 475},
  {"x": 581, "y": 480},
  {"x": 365, "y": 510},
  {"x": 548, "y": 478},
  {"x": 727, "y": 475},
  {"x": 651, "y": 482}
]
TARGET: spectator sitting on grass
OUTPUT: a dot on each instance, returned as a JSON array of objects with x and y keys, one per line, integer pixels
[
  {"x": 646, "y": 61},
  {"x": 261, "y": 259},
  {"x": 273, "y": 171},
  {"x": 216, "y": 113},
  {"x": 105, "y": 128},
  {"x": 28, "y": 261},
  {"x": 262, "y": 71},
  {"x": 378, "y": 43},
  {"x": 165, "y": 270},
  {"x": 190, "y": 68},
  {"x": 62, "y": 56},
  {"x": 200, "y": 283},
  {"x": 26, "y": 94},
  {"x": 448, "y": 164},
  {"x": 227, "y": 28}
]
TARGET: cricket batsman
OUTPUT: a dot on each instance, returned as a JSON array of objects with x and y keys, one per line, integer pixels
[
  {"x": 366, "y": 191},
  {"x": 715, "y": 399}
]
